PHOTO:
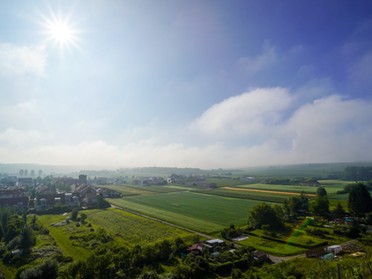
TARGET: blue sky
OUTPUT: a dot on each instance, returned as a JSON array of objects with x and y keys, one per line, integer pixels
[{"x": 186, "y": 83}]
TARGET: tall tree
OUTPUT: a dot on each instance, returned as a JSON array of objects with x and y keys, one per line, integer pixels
[
  {"x": 320, "y": 206},
  {"x": 321, "y": 192},
  {"x": 264, "y": 214},
  {"x": 360, "y": 201},
  {"x": 339, "y": 211}
]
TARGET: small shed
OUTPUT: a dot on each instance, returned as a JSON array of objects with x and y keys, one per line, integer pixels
[
  {"x": 315, "y": 252},
  {"x": 335, "y": 249},
  {"x": 215, "y": 242}
]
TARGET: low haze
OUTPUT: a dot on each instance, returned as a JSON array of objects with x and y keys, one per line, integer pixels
[{"x": 185, "y": 83}]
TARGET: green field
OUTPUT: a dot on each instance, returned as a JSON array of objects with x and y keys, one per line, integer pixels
[
  {"x": 61, "y": 236},
  {"x": 130, "y": 229},
  {"x": 272, "y": 247},
  {"x": 124, "y": 228},
  {"x": 264, "y": 197},
  {"x": 201, "y": 212}
]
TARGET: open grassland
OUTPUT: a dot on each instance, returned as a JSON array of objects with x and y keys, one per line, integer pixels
[
  {"x": 130, "y": 229},
  {"x": 201, "y": 212}
]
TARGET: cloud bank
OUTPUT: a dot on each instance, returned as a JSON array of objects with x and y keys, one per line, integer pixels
[{"x": 264, "y": 126}]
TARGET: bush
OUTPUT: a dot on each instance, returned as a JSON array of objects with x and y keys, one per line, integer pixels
[{"x": 47, "y": 270}]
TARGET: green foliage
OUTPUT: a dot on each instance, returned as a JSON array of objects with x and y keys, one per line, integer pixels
[
  {"x": 83, "y": 217},
  {"x": 320, "y": 206},
  {"x": 321, "y": 192},
  {"x": 316, "y": 232},
  {"x": 359, "y": 201},
  {"x": 368, "y": 219},
  {"x": 74, "y": 214},
  {"x": 231, "y": 232},
  {"x": 264, "y": 214},
  {"x": 295, "y": 206},
  {"x": 339, "y": 211},
  {"x": 12, "y": 227},
  {"x": 27, "y": 239},
  {"x": 358, "y": 173},
  {"x": 102, "y": 203},
  {"x": 46, "y": 270}
]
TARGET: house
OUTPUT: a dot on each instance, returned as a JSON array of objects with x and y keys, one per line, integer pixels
[
  {"x": 87, "y": 194},
  {"x": 16, "y": 197},
  {"x": 72, "y": 200},
  {"x": 214, "y": 244},
  {"x": 48, "y": 200},
  {"x": 196, "y": 248},
  {"x": 108, "y": 193}
]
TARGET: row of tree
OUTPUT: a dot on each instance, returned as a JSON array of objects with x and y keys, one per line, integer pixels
[{"x": 273, "y": 216}]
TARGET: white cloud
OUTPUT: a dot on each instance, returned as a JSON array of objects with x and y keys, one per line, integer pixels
[
  {"x": 16, "y": 60},
  {"x": 249, "y": 114},
  {"x": 329, "y": 129}
]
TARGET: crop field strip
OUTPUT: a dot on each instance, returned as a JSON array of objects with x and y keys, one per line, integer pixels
[
  {"x": 330, "y": 188},
  {"x": 264, "y": 197},
  {"x": 126, "y": 228},
  {"x": 193, "y": 210},
  {"x": 287, "y": 193},
  {"x": 131, "y": 229}
]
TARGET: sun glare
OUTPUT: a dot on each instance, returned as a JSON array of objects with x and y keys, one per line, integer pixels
[{"x": 60, "y": 31}]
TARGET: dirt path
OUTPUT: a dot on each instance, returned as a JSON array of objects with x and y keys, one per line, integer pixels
[{"x": 268, "y": 191}]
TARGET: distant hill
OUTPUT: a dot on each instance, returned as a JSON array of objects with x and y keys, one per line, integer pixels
[{"x": 321, "y": 170}]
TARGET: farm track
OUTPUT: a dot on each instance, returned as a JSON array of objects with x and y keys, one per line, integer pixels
[{"x": 268, "y": 191}]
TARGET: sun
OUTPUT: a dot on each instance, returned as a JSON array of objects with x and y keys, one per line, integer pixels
[{"x": 60, "y": 31}]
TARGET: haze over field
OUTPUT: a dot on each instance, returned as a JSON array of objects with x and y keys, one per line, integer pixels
[{"x": 185, "y": 83}]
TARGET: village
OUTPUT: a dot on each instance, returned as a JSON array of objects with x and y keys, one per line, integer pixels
[{"x": 27, "y": 194}]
